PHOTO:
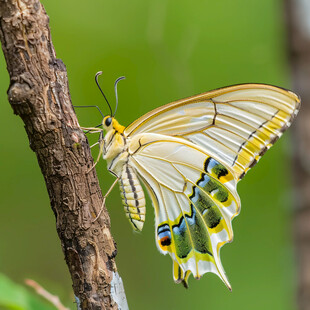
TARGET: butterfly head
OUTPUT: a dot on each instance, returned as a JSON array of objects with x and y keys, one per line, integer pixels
[
  {"x": 107, "y": 121},
  {"x": 110, "y": 123}
]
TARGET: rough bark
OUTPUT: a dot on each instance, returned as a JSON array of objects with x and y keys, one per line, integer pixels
[
  {"x": 39, "y": 94},
  {"x": 299, "y": 47}
]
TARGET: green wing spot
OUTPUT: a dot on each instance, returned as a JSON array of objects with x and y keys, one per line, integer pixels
[
  {"x": 206, "y": 207},
  {"x": 212, "y": 217},
  {"x": 213, "y": 166},
  {"x": 211, "y": 185},
  {"x": 220, "y": 171},
  {"x": 182, "y": 239},
  {"x": 222, "y": 194},
  {"x": 191, "y": 233},
  {"x": 202, "y": 202},
  {"x": 199, "y": 233}
]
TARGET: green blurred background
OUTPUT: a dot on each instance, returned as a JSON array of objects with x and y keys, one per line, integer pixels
[{"x": 167, "y": 50}]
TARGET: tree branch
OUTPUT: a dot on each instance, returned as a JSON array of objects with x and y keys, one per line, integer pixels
[{"x": 39, "y": 94}]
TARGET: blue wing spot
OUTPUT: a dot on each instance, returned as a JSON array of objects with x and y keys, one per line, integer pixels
[
  {"x": 164, "y": 235},
  {"x": 181, "y": 228}
]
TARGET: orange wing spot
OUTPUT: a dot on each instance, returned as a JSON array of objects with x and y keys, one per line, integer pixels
[{"x": 165, "y": 241}]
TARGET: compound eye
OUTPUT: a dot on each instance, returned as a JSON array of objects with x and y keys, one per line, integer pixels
[{"x": 108, "y": 121}]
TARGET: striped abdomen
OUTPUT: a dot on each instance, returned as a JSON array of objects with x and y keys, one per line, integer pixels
[{"x": 133, "y": 197}]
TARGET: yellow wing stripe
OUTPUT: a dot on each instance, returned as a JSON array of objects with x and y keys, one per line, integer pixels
[{"x": 273, "y": 132}]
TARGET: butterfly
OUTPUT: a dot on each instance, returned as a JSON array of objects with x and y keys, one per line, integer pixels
[{"x": 189, "y": 155}]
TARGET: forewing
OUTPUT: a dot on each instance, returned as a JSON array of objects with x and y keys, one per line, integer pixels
[
  {"x": 236, "y": 124},
  {"x": 195, "y": 200}
]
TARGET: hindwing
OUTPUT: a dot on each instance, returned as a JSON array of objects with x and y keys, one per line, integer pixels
[{"x": 195, "y": 200}]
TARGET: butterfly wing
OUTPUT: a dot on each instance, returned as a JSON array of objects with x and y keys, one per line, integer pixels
[
  {"x": 236, "y": 124},
  {"x": 195, "y": 200},
  {"x": 191, "y": 153}
]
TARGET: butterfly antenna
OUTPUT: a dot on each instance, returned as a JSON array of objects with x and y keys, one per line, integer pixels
[
  {"x": 96, "y": 79},
  {"x": 89, "y": 106},
  {"x": 115, "y": 89}
]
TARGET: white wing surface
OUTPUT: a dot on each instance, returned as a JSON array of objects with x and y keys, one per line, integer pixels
[{"x": 236, "y": 124}]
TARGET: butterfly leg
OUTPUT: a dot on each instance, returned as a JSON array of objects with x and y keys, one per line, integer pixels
[
  {"x": 91, "y": 129},
  {"x": 101, "y": 145},
  {"x": 94, "y": 144},
  {"x": 104, "y": 199}
]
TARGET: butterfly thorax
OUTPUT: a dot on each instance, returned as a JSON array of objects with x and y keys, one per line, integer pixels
[
  {"x": 115, "y": 152},
  {"x": 114, "y": 145}
]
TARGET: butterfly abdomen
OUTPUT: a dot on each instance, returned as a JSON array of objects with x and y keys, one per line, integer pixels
[{"x": 133, "y": 197}]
